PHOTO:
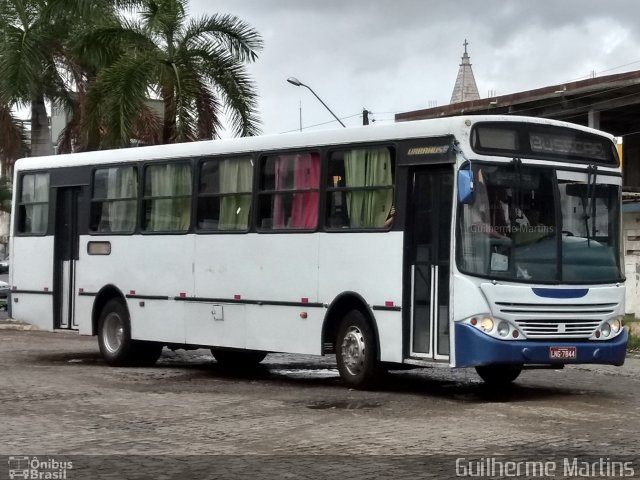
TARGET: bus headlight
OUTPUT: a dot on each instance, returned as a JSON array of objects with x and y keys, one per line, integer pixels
[
  {"x": 605, "y": 329},
  {"x": 503, "y": 328},
  {"x": 486, "y": 324},
  {"x": 616, "y": 324}
]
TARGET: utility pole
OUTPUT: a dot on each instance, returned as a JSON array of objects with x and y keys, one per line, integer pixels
[{"x": 365, "y": 116}]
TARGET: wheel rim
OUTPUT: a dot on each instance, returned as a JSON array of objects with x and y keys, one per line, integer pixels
[
  {"x": 113, "y": 332},
  {"x": 353, "y": 353}
]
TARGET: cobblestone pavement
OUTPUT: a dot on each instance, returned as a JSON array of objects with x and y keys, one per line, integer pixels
[{"x": 59, "y": 400}]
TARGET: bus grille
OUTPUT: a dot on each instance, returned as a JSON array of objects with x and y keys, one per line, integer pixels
[
  {"x": 565, "y": 328},
  {"x": 556, "y": 310}
]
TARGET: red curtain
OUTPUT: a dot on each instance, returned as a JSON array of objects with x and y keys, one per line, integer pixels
[{"x": 304, "y": 212}]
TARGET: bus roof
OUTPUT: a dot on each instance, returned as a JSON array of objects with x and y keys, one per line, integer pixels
[{"x": 456, "y": 126}]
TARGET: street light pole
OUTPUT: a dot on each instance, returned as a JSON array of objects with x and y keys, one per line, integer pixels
[{"x": 298, "y": 83}]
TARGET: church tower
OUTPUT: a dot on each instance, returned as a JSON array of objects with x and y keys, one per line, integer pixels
[{"x": 465, "y": 88}]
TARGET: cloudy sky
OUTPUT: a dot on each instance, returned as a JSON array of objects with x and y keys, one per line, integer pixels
[{"x": 392, "y": 56}]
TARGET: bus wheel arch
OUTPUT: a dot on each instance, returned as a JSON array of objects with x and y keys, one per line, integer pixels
[
  {"x": 341, "y": 306},
  {"x": 351, "y": 329},
  {"x": 105, "y": 294},
  {"x": 114, "y": 337}
]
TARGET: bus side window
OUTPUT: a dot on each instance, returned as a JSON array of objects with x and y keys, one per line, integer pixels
[
  {"x": 33, "y": 207},
  {"x": 167, "y": 197},
  {"x": 289, "y": 191},
  {"x": 360, "y": 188},
  {"x": 224, "y": 194},
  {"x": 114, "y": 200}
]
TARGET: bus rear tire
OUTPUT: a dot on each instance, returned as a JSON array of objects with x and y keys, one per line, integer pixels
[
  {"x": 240, "y": 359},
  {"x": 499, "y": 375},
  {"x": 114, "y": 338},
  {"x": 356, "y": 351}
]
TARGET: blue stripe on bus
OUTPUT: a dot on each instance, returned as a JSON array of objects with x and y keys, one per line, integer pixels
[{"x": 561, "y": 292}]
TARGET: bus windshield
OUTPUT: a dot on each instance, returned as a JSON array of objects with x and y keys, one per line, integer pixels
[{"x": 532, "y": 224}]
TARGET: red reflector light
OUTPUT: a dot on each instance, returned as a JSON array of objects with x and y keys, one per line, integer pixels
[
  {"x": 388, "y": 303},
  {"x": 183, "y": 295},
  {"x": 132, "y": 292},
  {"x": 81, "y": 290},
  {"x": 303, "y": 315},
  {"x": 474, "y": 321},
  {"x": 237, "y": 296},
  {"x": 46, "y": 289},
  {"x": 304, "y": 300}
]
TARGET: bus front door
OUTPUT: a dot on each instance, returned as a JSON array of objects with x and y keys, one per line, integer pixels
[
  {"x": 66, "y": 249},
  {"x": 428, "y": 246}
]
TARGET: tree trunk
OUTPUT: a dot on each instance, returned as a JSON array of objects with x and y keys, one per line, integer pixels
[
  {"x": 169, "y": 127},
  {"x": 40, "y": 135}
]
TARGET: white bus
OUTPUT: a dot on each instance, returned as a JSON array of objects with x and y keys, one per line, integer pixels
[{"x": 483, "y": 241}]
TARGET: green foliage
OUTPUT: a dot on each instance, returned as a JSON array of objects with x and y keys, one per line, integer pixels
[
  {"x": 103, "y": 59},
  {"x": 37, "y": 62},
  {"x": 634, "y": 338},
  {"x": 195, "y": 67},
  {"x": 5, "y": 194}
]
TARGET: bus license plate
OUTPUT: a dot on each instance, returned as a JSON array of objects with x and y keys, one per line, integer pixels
[{"x": 563, "y": 353}]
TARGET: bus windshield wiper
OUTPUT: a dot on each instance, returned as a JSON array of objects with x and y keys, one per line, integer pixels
[
  {"x": 517, "y": 167},
  {"x": 589, "y": 203}
]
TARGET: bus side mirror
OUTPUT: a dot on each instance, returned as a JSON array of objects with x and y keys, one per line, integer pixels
[{"x": 465, "y": 186}]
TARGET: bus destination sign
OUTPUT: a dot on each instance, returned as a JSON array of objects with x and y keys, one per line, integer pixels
[{"x": 544, "y": 142}]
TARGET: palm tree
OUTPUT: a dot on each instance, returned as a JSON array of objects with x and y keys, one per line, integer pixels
[
  {"x": 37, "y": 65},
  {"x": 195, "y": 66},
  {"x": 5, "y": 194},
  {"x": 12, "y": 140},
  {"x": 25, "y": 64}
]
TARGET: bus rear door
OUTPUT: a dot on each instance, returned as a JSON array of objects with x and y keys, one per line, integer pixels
[{"x": 66, "y": 248}]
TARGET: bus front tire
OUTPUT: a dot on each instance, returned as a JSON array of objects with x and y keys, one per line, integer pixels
[
  {"x": 114, "y": 338},
  {"x": 499, "y": 375},
  {"x": 356, "y": 351},
  {"x": 240, "y": 359}
]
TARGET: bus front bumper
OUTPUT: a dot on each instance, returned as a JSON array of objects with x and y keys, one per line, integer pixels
[{"x": 474, "y": 348}]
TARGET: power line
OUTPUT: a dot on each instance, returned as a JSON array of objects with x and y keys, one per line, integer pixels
[
  {"x": 603, "y": 71},
  {"x": 323, "y": 123}
]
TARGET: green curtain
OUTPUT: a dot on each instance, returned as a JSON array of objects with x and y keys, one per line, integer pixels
[
  {"x": 35, "y": 197},
  {"x": 236, "y": 176},
  {"x": 172, "y": 211},
  {"x": 122, "y": 189},
  {"x": 368, "y": 168}
]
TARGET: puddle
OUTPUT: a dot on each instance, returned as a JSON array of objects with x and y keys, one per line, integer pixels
[
  {"x": 343, "y": 405},
  {"x": 306, "y": 373}
]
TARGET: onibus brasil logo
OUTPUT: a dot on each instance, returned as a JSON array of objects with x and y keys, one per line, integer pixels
[{"x": 38, "y": 469}]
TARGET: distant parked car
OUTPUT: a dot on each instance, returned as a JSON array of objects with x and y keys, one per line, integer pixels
[
  {"x": 4, "y": 265},
  {"x": 4, "y": 295}
]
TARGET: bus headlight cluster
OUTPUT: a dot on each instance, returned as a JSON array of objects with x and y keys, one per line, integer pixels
[
  {"x": 494, "y": 327},
  {"x": 611, "y": 327}
]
